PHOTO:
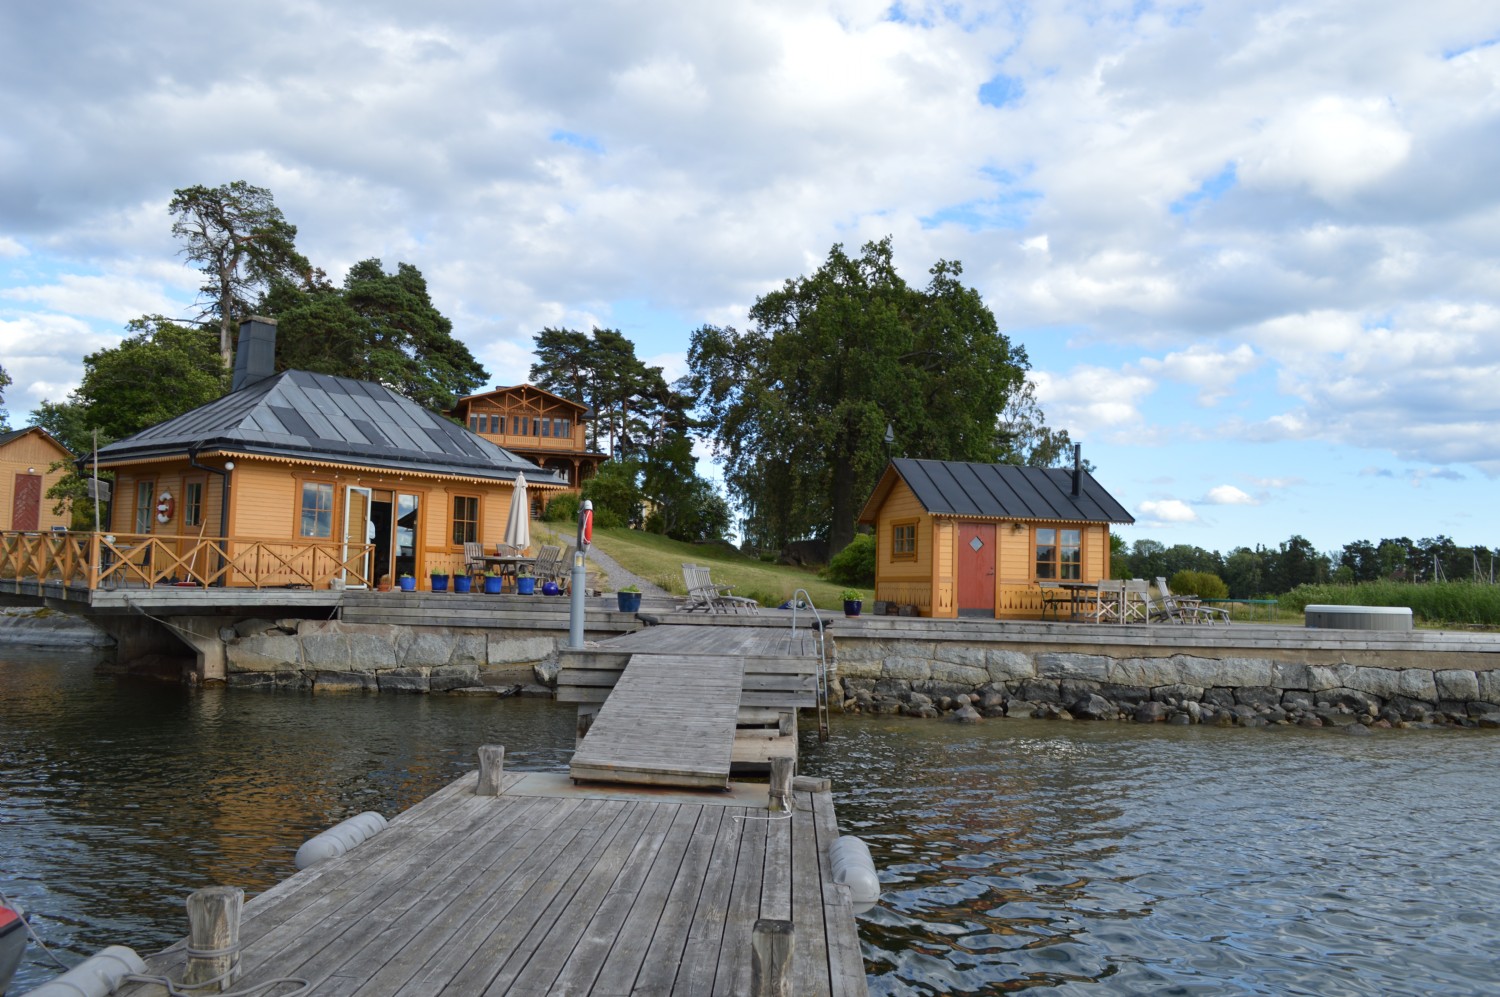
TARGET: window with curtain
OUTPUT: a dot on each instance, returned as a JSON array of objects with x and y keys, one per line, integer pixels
[{"x": 145, "y": 505}]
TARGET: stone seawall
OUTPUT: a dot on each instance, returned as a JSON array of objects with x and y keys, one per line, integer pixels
[
  {"x": 921, "y": 678},
  {"x": 331, "y": 656}
]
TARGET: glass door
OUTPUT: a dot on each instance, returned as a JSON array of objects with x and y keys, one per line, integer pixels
[{"x": 358, "y": 533}]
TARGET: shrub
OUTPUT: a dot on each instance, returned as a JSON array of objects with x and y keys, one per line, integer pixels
[
  {"x": 563, "y": 508},
  {"x": 855, "y": 564},
  {"x": 1200, "y": 583}
]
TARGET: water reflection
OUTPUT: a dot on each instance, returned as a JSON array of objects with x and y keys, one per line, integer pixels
[
  {"x": 117, "y": 799},
  {"x": 1124, "y": 859},
  {"x": 1083, "y": 858}
]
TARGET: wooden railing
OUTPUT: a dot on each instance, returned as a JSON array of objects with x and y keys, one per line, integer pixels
[{"x": 127, "y": 560}]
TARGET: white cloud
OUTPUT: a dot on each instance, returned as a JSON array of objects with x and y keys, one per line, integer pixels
[
  {"x": 115, "y": 299},
  {"x": 1213, "y": 372},
  {"x": 1092, "y": 399},
  {"x": 10, "y": 248},
  {"x": 1229, "y": 495},
  {"x": 1331, "y": 145},
  {"x": 1172, "y": 511}
]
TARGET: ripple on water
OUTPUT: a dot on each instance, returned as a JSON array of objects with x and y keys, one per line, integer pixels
[{"x": 1119, "y": 859}]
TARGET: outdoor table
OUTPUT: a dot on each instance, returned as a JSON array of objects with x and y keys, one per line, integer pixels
[
  {"x": 509, "y": 564},
  {"x": 1076, "y": 595}
]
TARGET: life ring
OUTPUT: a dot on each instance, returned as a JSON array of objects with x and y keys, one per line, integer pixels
[{"x": 166, "y": 508}]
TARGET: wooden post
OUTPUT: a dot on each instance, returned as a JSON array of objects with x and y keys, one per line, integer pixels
[
  {"x": 781, "y": 784},
  {"x": 771, "y": 958},
  {"x": 786, "y": 724},
  {"x": 214, "y": 935},
  {"x": 491, "y": 770},
  {"x": 586, "y": 716}
]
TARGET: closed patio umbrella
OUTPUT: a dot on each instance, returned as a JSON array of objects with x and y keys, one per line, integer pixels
[{"x": 518, "y": 526}]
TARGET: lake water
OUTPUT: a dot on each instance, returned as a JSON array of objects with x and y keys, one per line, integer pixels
[{"x": 1016, "y": 854}]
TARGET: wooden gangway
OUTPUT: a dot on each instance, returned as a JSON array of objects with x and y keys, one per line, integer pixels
[
  {"x": 669, "y": 721},
  {"x": 682, "y": 703},
  {"x": 549, "y": 888}
]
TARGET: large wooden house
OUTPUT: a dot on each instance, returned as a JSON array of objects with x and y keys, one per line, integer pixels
[
  {"x": 306, "y": 462},
  {"x": 963, "y": 539},
  {"x": 536, "y": 424},
  {"x": 26, "y": 459}
]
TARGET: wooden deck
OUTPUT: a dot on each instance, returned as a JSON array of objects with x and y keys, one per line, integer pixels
[
  {"x": 552, "y": 889},
  {"x": 669, "y": 721}
]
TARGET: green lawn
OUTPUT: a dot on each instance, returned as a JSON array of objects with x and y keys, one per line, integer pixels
[{"x": 660, "y": 560}]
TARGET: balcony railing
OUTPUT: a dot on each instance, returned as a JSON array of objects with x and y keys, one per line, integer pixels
[{"x": 133, "y": 560}]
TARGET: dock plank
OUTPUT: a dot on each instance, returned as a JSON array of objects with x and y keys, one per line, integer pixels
[{"x": 669, "y": 720}]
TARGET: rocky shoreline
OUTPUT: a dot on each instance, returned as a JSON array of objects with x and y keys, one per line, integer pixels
[
  {"x": 969, "y": 682},
  {"x": 36, "y": 627}
]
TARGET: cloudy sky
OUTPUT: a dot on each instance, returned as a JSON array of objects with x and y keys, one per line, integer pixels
[{"x": 1252, "y": 248}]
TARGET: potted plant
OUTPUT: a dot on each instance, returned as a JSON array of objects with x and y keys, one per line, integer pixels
[
  {"x": 439, "y": 580},
  {"x": 462, "y": 583},
  {"x": 525, "y": 582},
  {"x": 492, "y": 582},
  {"x": 853, "y": 602},
  {"x": 407, "y": 583},
  {"x": 629, "y": 599}
]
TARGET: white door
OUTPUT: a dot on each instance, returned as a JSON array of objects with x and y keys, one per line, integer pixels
[{"x": 357, "y": 534}]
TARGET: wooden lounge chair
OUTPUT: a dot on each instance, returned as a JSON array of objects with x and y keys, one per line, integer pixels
[{"x": 704, "y": 594}]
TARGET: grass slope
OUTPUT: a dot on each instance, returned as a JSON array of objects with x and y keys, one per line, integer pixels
[{"x": 660, "y": 560}]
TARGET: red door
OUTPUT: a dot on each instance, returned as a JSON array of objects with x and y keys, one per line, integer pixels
[
  {"x": 976, "y": 569},
  {"x": 26, "y": 504}
]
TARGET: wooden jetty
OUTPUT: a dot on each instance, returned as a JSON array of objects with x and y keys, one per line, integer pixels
[
  {"x": 734, "y": 690},
  {"x": 622, "y": 877},
  {"x": 553, "y": 889}
]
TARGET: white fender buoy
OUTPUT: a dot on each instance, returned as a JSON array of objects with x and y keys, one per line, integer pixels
[
  {"x": 96, "y": 976},
  {"x": 854, "y": 868},
  {"x": 340, "y": 838}
]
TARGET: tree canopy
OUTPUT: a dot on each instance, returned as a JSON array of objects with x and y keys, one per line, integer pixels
[
  {"x": 798, "y": 405},
  {"x": 378, "y": 326},
  {"x": 631, "y": 401},
  {"x": 5, "y": 382},
  {"x": 241, "y": 242}
]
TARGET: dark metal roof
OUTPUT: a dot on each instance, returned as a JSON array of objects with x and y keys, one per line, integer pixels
[
  {"x": 309, "y": 416},
  {"x": 1009, "y": 491}
]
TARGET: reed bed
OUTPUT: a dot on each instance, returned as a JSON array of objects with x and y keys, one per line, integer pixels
[{"x": 1435, "y": 603}]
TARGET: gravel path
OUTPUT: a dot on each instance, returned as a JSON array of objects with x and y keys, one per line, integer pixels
[{"x": 614, "y": 574}]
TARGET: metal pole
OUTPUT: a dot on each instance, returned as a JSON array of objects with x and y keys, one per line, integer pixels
[{"x": 575, "y": 588}]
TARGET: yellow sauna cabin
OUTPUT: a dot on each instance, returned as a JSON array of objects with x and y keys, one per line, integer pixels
[
  {"x": 963, "y": 539},
  {"x": 310, "y": 480},
  {"x": 534, "y": 423},
  {"x": 26, "y": 459}
]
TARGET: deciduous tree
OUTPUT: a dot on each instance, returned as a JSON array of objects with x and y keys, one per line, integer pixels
[{"x": 798, "y": 404}]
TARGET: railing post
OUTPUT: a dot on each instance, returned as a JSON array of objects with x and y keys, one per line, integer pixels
[{"x": 781, "y": 785}]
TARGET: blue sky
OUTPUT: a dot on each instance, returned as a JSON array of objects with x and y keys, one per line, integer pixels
[{"x": 1252, "y": 249}]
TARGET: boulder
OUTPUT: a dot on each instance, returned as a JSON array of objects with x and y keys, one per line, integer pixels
[
  {"x": 1092, "y": 667},
  {"x": 1003, "y": 665},
  {"x": 966, "y": 714},
  {"x": 402, "y": 680},
  {"x": 1150, "y": 713},
  {"x": 1093, "y": 707},
  {"x": 1457, "y": 684},
  {"x": 328, "y": 681}
]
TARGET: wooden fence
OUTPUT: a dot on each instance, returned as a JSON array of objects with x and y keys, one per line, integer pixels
[{"x": 131, "y": 560}]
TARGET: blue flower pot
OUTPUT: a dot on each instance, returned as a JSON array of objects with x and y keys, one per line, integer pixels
[
  {"x": 407, "y": 584},
  {"x": 526, "y": 586},
  {"x": 440, "y": 583},
  {"x": 462, "y": 583},
  {"x": 853, "y": 606},
  {"x": 492, "y": 584},
  {"x": 630, "y": 602}
]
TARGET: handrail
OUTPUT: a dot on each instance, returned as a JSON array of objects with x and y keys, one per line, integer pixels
[
  {"x": 822, "y": 658},
  {"x": 91, "y": 560}
]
